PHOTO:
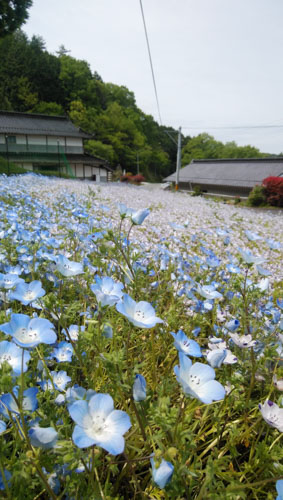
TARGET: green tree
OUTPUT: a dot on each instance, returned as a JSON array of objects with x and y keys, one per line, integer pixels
[
  {"x": 232, "y": 150},
  {"x": 48, "y": 108},
  {"x": 201, "y": 147},
  {"x": 14, "y": 13},
  {"x": 74, "y": 77},
  {"x": 98, "y": 148}
]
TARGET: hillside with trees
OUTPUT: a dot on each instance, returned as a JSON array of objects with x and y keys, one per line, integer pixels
[{"x": 36, "y": 81}]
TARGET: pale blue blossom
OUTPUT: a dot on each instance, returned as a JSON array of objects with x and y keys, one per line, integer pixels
[
  {"x": 13, "y": 355},
  {"x": 139, "y": 388},
  {"x": 140, "y": 314},
  {"x": 184, "y": 344},
  {"x": 43, "y": 437},
  {"x": 162, "y": 474},
  {"x": 107, "y": 291},
  {"x": 67, "y": 267},
  {"x": 97, "y": 423},
  {"x": 197, "y": 380}
]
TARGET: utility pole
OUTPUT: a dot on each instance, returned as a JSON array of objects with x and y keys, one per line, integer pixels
[
  {"x": 178, "y": 163},
  {"x": 138, "y": 163},
  {"x": 7, "y": 153}
]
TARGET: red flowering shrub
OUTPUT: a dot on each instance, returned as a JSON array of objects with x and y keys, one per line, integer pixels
[
  {"x": 274, "y": 190},
  {"x": 126, "y": 178},
  {"x": 137, "y": 179},
  {"x": 133, "y": 179}
]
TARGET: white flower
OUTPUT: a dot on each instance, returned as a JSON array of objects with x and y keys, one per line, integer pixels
[
  {"x": 242, "y": 341},
  {"x": 272, "y": 414}
]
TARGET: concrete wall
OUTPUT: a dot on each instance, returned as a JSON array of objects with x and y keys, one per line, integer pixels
[
  {"x": 217, "y": 190},
  {"x": 82, "y": 171}
]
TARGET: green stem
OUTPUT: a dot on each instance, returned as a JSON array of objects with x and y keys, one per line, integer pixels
[
  {"x": 6, "y": 485},
  {"x": 138, "y": 418},
  {"x": 153, "y": 359},
  {"x": 252, "y": 382},
  {"x": 78, "y": 354},
  {"x": 45, "y": 367}
]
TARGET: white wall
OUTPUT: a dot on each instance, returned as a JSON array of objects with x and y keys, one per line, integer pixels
[
  {"x": 21, "y": 139},
  {"x": 37, "y": 139},
  {"x": 79, "y": 172},
  {"x": 74, "y": 141},
  {"x": 53, "y": 141},
  {"x": 88, "y": 171}
]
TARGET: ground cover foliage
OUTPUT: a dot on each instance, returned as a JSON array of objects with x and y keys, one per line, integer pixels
[{"x": 140, "y": 351}]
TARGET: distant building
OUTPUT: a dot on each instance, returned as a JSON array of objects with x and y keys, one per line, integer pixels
[
  {"x": 43, "y": 143},
  {"x": 233, "y": 177}
]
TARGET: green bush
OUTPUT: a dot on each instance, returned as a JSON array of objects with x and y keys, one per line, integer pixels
[
  {"x": 197, "y": 191},
  {"x": 10, "y": 169},
  {"x": 257, "y": 197}
]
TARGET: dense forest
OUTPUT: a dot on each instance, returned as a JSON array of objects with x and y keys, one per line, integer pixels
[{"x": 33, "y": 80}]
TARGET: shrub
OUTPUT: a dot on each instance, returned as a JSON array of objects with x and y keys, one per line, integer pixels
[
  {"x": 257, "y": 196},
  {"x": 126, "y": 178},
  {"x": 274, "y": 190},
  {"x": 137, "y": 179},
  {"x": 197, "y": 191}
]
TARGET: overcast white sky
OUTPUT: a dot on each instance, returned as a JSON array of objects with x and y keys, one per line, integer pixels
[{"x": 217, "y": 63}]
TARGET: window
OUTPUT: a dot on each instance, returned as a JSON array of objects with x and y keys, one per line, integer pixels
[{"x": 11, "y": 139}]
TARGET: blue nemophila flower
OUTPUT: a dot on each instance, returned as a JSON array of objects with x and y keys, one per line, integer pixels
[
  {"x": 138, "y": 216},
  {"x": 3, "y": 426},
  {"x": 107, "y": 291},
  {"x": 272, "y": 414},
  {"x": 107, "y": 331},
  {"x": 74, "y": 331},
  {"x": 77, "y": 393},
  {"x": 252, "y": 236},
  {"x": 232, "y": 325},
  {"x": 28, "y": 332},
  {"x": 233, "y": 268},
  {"x": 187, "y": 346},
  {"x": 124, "y": 210},
  {"x": 279, "y": 489},
  {"x": 8, "y": 281},
  {"x": 99, "y": 424},
  {"x": 43, "y": 437},
  {"x": 63, "y": 352},
  {"x": 7, "y": 402},
  {"x": 197, "y": 380},
  {"x": 261, "y": 270},
  {"x": 140, "y": 314},
  {"x": 27, "y": 292},
  {"x": 196, "y": 331},
  {"x": 67, "y": 267},
  {"x": 162, "y": 475},
  {"x": 13, "y": 354},
  {"x": 208, "y": 292},
  {"x": 249, "y": 258},
  {"x": 218, "y": 349},
  {"x": 139, "y": 388},
  {"x": 60, "y": 380},
  {"x": 273, "y": 245},
  {"x": 216, "y": 357}
]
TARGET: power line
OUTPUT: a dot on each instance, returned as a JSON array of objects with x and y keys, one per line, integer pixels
[
  {"x": 234, "y": 127},
  {"x": 151, "y": 65}
]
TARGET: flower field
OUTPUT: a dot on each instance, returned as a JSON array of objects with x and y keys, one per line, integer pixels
[{"x": 141, "y": 338}]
